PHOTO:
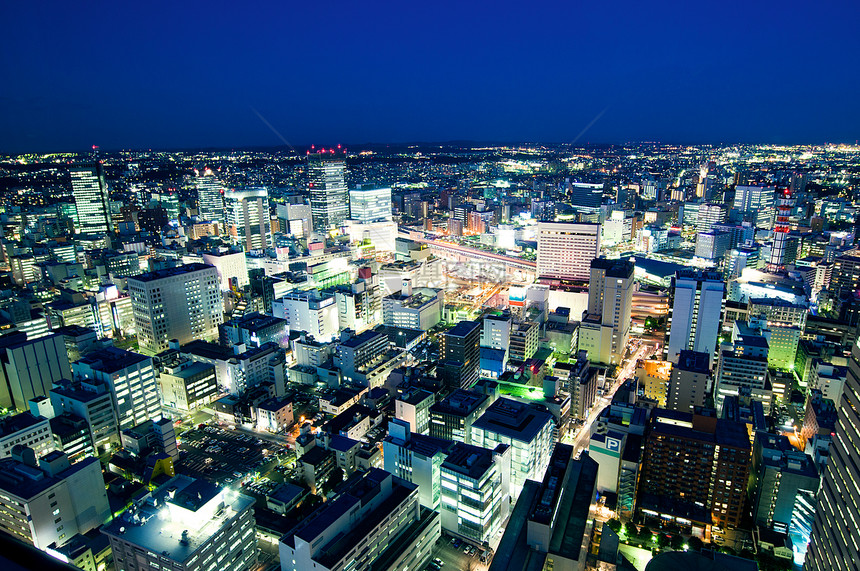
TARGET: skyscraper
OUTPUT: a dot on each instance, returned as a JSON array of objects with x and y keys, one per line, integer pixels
[
  {"x": 181, "y": 303},
  {"x": 460, "y": 354},
  {"x": 210, "y": 199},
  {"x": 836, "y": 532},
  {"x": 565, "y": 250},
  {"x": 328, "y": 192},
  {"x": 91, "y": 199},
  {"x": 370, "y": 203},
  {"x": 610, "y": 296},
  {"x": 756, "y": 204},
  {"x": 697, "y": 308},
  {"x": 248, "y": 220}
]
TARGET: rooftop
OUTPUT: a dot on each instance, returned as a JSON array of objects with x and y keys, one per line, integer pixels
[
  {"x": 170, "y": 272},
  {"x": 513, "y": 419},
  {"x": 112, "y": 359}
]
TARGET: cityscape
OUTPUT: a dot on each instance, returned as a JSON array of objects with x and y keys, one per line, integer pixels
[{"x": 430, "y": 287}]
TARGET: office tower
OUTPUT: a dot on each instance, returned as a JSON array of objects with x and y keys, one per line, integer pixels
[
  {"x": 232, "y": 268},
  {"x": 362, "y": 358},
  {"x": 836, "y": 534},
  {"x": 369, "y": 203},
  {"x": 328, "y": 192},
  {"x": 374, "y": 522},
  {"x": 417, "y": 459},
  {"x": 253, "y": 330},
  {"x": 27, "y": 430},
  {"x": 756, "y": 204},
  {"x": 696, "y": 467},
  {"x": 786, "y": 322},
  {"x": 737, "y": 259},
  {"x": 475, "y": 491},
  {"x": 565, "y": 250},
  {"x": 182, "y": 303},
  {"x": 496, "y": 332},
  {"x": 28, "y": 368},
  {"x": 551, "y": 522},
  {"x": 782, "y": 473},
  {"x": 186, "y": 524},
  {"x": 91, "y": 400},
  {"x": 523, "y": 342},
  {"x": 312, "y": 312},
  {"x": 413, "y": 406},
  {"x": 72, "y": 437},
  {"x": 185, "y": 384},
  {"x": 452, "y": 417},
  {"x": 91, "y": 199},
  {"x": 248, "y": 220},
  {"x": 689, "y": 382},
  {"x": 845, "y": 276},
  {"x": 712, "y": 245},
  {"x": 710, "y": 214},
  {"x": 529, "y": 432},
  {"x": 210, "y": 196},
  {"x": 48, "y": 500},
  {"x": 582, "y": 386},
  {"x": 419, "y": 308},
  {"x": 237, "y": 372},
  {"x": 610, "y": 297},
  {"x": 151, "y": 436},
  {"x": 131, "y": 380},
  {"x": 742, "y": 365},
  {"x": 697, "y": 308},
  {"x": 460, "y": 355},
  {"x": 585, "y": 195}
]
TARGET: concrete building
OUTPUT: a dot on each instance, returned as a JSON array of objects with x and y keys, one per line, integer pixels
[
  {"x": 528, "y": 431},
  {"x": 782, "y": 474},
  {"x": 92, "y": 201},
  {"x": 413, "y": 407},
  {"x": 130, "y": 378},
  {"x": 690, "y": 380},
  {"x": 91, "y": 400},
  {"x": 610, "y": 297},
  {"x": 182, "y": 303},
  {"x": 417, "y": 459},
  {"x": 329, "y": 196},
  {"x": 420, "y": 308},
  {"x": 366, "y": 359},
  {"x": 185, "y": 384},
  {"x": 253, "y": 330},
  {"x": 452, "y": 417},
  {"x": 459, "y": 355},
  {"x": 310, "y": 312},
  {"x": 186, "y": 524},
  {"x": 158, "y": 436},
  {"x": 523, "y": 342},
  {"x": 25, "y": 429},
  {"x": 249, "y": 223},
  {"x": 375, "y": 522},
  {"x": 696, "y": 303},
  {"x": 496, "y": 334},
  {"x": 743, "y": 366},
  {"x": 47, "y": 500},
  {"x": 231, "y": 266},
  {"x": 370, "y": 203},
  {"x": 475, "y": 491},
  {"x": 28, "y": 368},
  {"x": 756, "y": 204},
  {"x": 210, "y": 196},
  {"x": 582, "y": 386},
  {"x": 565, "y": 250},
  {"x": 835, "y": 538}
]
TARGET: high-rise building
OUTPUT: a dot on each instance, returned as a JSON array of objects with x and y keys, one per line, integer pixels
[
  {"x": 370, "y": 203},
  {"x": 700, "y": 464},
  {"x": 374, "y": 522},
  {"x": 689, "y": 382},
  {"x": 48, "y": 500},
  {"x": 91, "y": 199},
  {"x": 247, "y": 217},
  {"x": 460, "y": 355},
  {"x": 710, "y": 214},
  {"x": 743, "y": 365},
  {"x": 187, "y": 525},
  {"x": 835, "y": 543},
  {"x": 565, "y": 250},
  {"x": 756, "y": 204},
  {"x": 610, "y": 297},
  {"x": 697, "y": 299},
  {"x": 416, "y": 458},
  {"x": 210, "y": 196},
  {"x": 328, "y": 192},
  {"x": 182, "y": 303},
  {"x": 452, "y": 417},
  {"x": 28, "y": 368},
  {"x": 131, "y": 380}
]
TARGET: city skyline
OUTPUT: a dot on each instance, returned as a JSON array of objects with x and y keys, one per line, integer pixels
[{"x": 210, "y": 77}]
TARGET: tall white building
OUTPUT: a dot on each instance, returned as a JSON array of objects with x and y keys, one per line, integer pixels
[
  {"x": 29, "y": 367},
  {"x": 565, "y": 250},
  {"x": 696, "y": 314},
  {"x": 47, "y": 500},
  {"x": 248, "y": 220},
  {"x": 186, "y": 525},
  {"x": 182, "y": 303},
  {"x": 370, "y": 203},
  {"x": 309, "y": 311},
  {"x": 91, "y": 199},
  {"x": 131, "y": 379},
  {"x": 210, "y": 196},
  {"x": 232, "y": 268},
  {"x": 610, "y": 298},
  {"x": 757, "y": 204},
  {"x": 328, "y": 193}
]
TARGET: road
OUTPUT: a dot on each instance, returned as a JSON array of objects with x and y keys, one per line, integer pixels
[{"x": 627, "y": 370}]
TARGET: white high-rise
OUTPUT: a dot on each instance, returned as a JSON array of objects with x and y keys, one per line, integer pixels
[
  {"x": 696, "y": 315},
  {"x": 248, "y": 220},
  {"x": 370, "y": 203},
  {"x": 181, "y": 303},
  {"x": 565, "y": 250},
  {"x": 328, "y": 192},
  {"x": 757, "y": 204},
  {"x": 210, "y": 196},
  {"x": 91, "y": 199}
]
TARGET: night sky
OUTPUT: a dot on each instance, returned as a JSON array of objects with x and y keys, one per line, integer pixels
[{"x": 157, "y": 75}]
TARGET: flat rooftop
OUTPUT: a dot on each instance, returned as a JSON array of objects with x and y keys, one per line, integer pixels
[
  {"x": 171, "y": 272},
  {"x": 112, "y": 359},
  {"x": 513, "y": 419}
]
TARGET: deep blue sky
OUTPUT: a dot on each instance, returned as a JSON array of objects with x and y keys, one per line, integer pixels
[{"x": 186, "y": 74}]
